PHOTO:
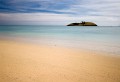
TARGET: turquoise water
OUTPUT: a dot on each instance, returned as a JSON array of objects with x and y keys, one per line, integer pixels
[{"x": 106, "y": 39}]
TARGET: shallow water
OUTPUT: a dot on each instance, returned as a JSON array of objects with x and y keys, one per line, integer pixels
[{"x": 106, "y": 39}]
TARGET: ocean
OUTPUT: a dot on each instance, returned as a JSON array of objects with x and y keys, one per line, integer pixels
[{"x": 96, "y": 38}]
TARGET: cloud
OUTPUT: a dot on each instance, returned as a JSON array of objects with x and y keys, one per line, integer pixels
[
  {"x": 98, "y": 7},
  {"x": 86, "y": 7},
  {"x": 54, "y": 19},
  {"x": 103, "y": 12},
  {"x": 28, "y": 6}
]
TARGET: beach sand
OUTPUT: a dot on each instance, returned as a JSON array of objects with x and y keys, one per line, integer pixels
[{"x": 25, "y": 62}]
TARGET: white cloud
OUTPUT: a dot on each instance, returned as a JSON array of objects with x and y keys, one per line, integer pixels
[
  {"x": 102, "y": 12},
  {"x": 58, "y": 19}
]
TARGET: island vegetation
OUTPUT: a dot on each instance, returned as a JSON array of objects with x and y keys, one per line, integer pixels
[{"x": 83, "y": 23}]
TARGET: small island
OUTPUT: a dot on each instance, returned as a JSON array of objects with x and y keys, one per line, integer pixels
[{"x": 83, "y": 23}]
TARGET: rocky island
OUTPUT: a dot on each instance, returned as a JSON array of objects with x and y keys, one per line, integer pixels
[{"x": 83, "y": 23}]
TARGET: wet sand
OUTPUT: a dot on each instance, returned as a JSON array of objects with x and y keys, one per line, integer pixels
[{"x": 24, "y": 62}]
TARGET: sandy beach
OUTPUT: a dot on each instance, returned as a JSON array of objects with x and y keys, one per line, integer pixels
[{"x": 24, "y": 62}]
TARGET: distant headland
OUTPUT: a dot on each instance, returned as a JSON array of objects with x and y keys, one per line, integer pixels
[{"x": 83, "y": 23}]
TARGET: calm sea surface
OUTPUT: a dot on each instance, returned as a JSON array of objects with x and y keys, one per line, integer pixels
[{"x": 106, "y": 39}]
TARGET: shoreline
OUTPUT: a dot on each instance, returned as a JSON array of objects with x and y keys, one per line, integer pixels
[
  {"x": 25, "y": 62},
  {"x": 91, "y": 47}
]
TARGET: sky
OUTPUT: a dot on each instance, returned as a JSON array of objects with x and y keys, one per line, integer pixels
[{"x": 59, "y": 12}]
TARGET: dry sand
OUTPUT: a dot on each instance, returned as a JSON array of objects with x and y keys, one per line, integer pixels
[{"x": 22, "y": 62}]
